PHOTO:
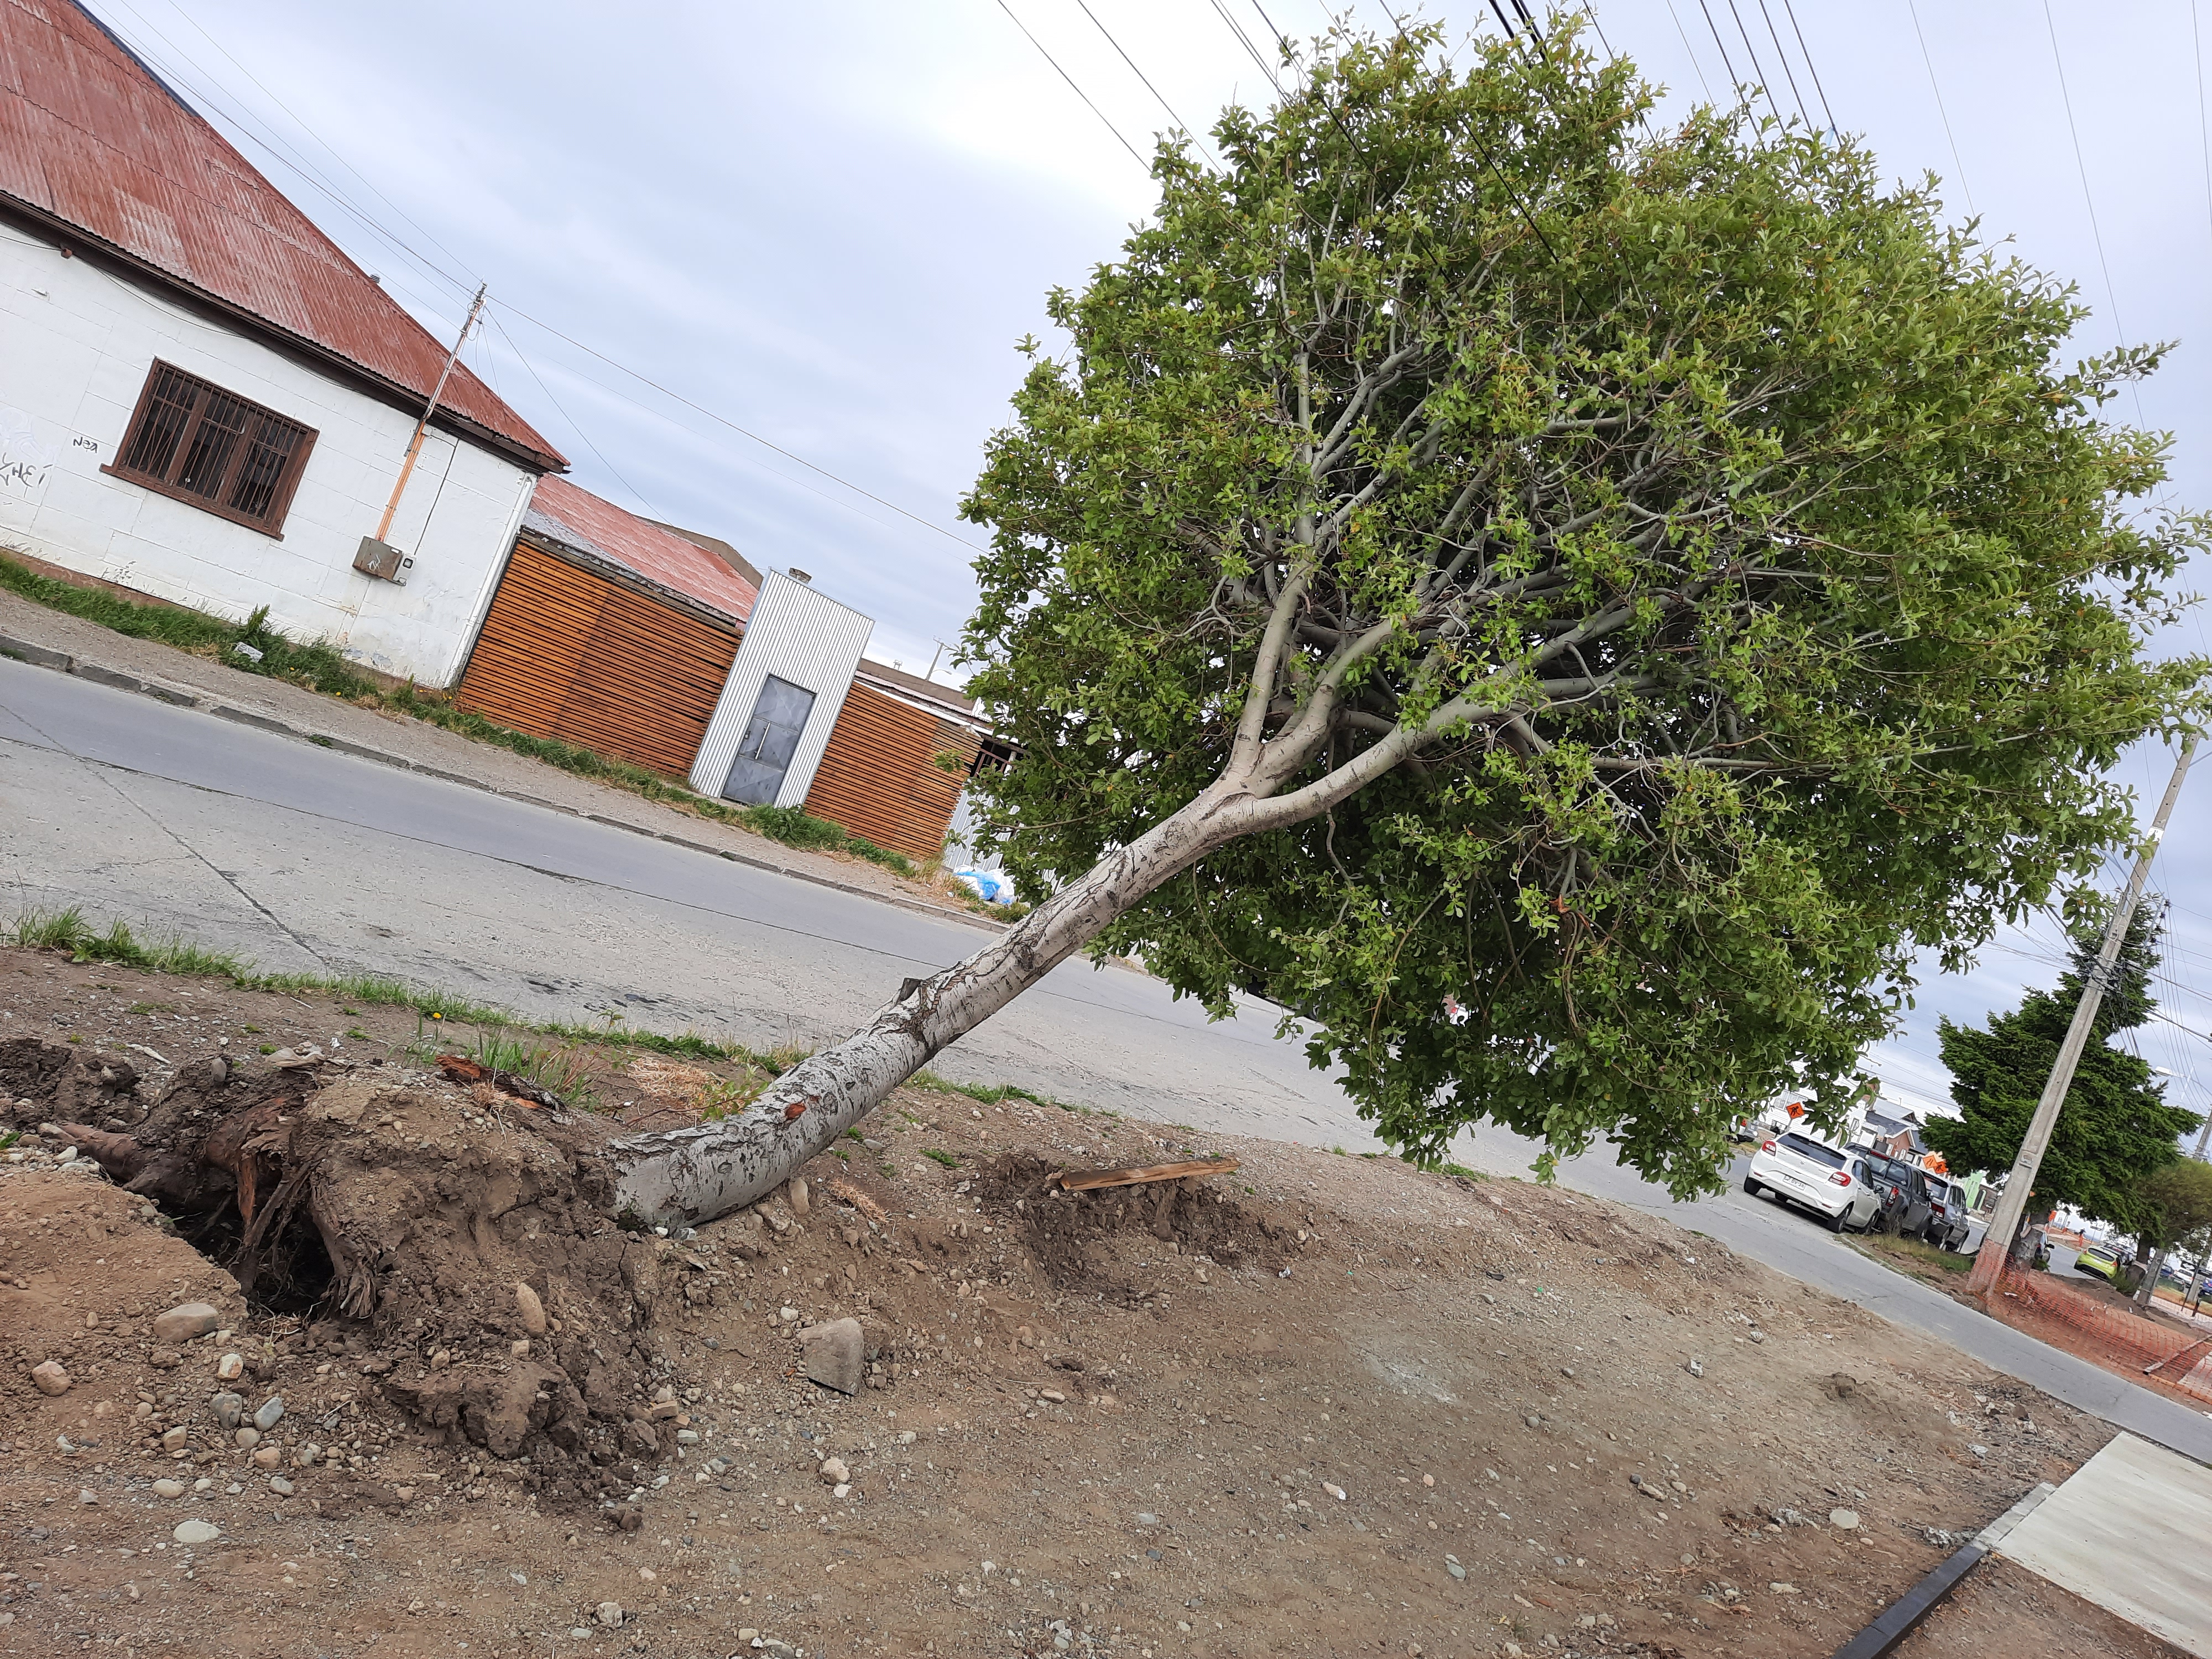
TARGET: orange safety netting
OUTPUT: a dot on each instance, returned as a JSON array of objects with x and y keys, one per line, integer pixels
[{"x": 2150, "y": 1344}]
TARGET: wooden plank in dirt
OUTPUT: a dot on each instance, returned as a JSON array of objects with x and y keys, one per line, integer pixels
[{"x": 1084, "y": 1180}]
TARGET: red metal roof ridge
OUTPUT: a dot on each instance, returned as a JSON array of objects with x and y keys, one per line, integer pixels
[{"x": 659, "y": 555}]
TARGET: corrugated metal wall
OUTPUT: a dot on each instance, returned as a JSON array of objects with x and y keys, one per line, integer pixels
[
  {"x": 800, "y": 635},
  {"x": 879, "y": 776},
  {"x": 564, "y": 653}
]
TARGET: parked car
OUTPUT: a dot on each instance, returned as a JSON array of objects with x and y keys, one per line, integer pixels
[
  {"x": 2099, "y": 1260},
  {"x": 1906, "y": 1203},
  {"x": 1799, "y": 1170},
  {"x": 1946, "y": 1226}
]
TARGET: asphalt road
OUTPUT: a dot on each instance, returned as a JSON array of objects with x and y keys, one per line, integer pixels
[{"x": 310, "y": 860}]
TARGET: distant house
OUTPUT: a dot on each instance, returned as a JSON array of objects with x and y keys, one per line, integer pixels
[
  {"x": 670, "y": 649},
  {"x": 201, "y": 396},
  {"x": 1886, "y": 1134}
]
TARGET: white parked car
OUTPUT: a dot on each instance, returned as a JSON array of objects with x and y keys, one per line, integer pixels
[{"x": 1799, "y": 1170}]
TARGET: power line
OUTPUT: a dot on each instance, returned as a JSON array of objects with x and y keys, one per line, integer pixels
[
  {"x": 1483, "y": 151},
  {"x": 1077, "y": 90},
  {"x": 1928, "y": 58},
  {"x": 1721, "y": 46},
  {"x": 2204, "y": 128},
  {"x": 745, "y": 432},
  {"x": 252, "y": 129},
  {"x": 532, "y": 368},
  {"x": 2088, "y": 196},
  {"x": 1237, "y": 29},
  {"x": 1812, "y": 68},
  {"x": 1758, "y": 75},
  {"x": 1789, "y": 74},
  {"x": 369, "y": 183},
  {"x": 276, "y": 146},
  {"x": 1187, "y": 131},
  {"x": 1694, "y": 64}
]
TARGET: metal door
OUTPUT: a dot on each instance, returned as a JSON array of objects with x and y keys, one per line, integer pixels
[{"x": 771, "y": 738}]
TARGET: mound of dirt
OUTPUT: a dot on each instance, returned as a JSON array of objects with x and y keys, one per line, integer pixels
[
  {"x": 456, "y": 1243},
  {"x": 1066, "y": 1231}
]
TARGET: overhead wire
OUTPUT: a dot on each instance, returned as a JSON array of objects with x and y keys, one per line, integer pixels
[
  {"x": 531, "y": 368},
  {"x": 1757, "y": 73},
  {"x": 1788, "y": 74},
  {"x": 1245, "y": 40},
  {"x": 1735, "y": 82},
  {"x": 1811, "y": 68},
  {"x": 2203, "y": 130},
  {"x": 1929, "y": 59},
  {"x": 745, "y": 432},
  {"x": 1187, "y": 131},
  {"x": 1490, "y": 160},
  {"x": 2088, "y": 196},
  {"x": 1694, "y": 64},
  {"x": 367, "y": 183},
  {"x": 1075, "y": 89},
  {"x": 203, "y": 85},
  {"x": 276, "y": 146}
]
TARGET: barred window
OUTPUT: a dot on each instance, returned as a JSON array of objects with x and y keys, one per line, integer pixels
[{"x": 189, "y": 439}]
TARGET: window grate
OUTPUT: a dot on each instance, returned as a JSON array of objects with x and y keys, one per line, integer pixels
[{"x": 192, "y": 440}]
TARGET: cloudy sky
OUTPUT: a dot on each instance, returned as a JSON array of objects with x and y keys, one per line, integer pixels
[{"x": 826, "y": 226}]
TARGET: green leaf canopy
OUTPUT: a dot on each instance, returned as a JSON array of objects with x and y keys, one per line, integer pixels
[{"x": 1670, "y": 578}]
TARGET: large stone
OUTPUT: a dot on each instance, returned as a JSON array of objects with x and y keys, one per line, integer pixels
[
  {"x": 532, "y": 1310},
  {"x": 183, "y": 1323},
  {"x": 835, "y": 1355},
  {"x": 230, "y": 1410},
  {"x": 271, "y": 1413},
  {"x": 49, "y": 1377},
  {"x": 196, "y": 1531}
]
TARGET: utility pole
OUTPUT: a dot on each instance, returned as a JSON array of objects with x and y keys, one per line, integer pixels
[
  {"x": 377, "y": 557},
  {"x": 2012, "y": 1205}
]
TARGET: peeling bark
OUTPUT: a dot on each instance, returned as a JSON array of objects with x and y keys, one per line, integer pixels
[{"x": 686, "y": 1176}]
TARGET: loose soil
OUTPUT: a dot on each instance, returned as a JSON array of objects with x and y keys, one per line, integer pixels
[
  {"x": 1322, "y": 1406},
  {"x": 2004, "y": 1608}
]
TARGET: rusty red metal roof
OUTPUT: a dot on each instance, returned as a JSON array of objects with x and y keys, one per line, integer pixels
[
  {"x": 92, "y": 140},
  {"x": 592, "y": 524}
]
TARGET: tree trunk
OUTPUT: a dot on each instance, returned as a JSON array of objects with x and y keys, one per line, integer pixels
[{"x": 689, "y": 1176}]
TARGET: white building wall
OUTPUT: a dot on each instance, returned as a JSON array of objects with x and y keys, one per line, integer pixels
[
  {"x": 800, "y": 635},
  {"x": 76, "y": 346}
]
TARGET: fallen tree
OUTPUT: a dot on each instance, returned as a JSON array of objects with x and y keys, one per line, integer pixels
[{"x": 1570, "y": 609}]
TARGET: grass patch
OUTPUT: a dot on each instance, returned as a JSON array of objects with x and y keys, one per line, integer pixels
[
  {"x": 321, "y": 666},
  {"x": 1918, "y": 1253},
  {"x": 563, "y": 1070},
  {"x": 492, "y": 1028},
  {"x": 1459, "y": 1169},
  {"x": 950, "y": 1160}
]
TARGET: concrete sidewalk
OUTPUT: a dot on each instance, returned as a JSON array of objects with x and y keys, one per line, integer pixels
[
  {"x": 51, "y": 639},
  {"x": 2127, "y": 1532}
]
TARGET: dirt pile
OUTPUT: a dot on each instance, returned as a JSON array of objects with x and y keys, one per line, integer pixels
[
  {"x": 1070, "y": 1233},
  {"x": 449, "y": 1241}
]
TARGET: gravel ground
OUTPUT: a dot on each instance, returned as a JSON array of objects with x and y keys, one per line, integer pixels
[{"x": 1325, "y": 1405}]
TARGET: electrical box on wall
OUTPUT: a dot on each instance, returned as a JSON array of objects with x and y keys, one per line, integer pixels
[{"x": 382, "y": 560}]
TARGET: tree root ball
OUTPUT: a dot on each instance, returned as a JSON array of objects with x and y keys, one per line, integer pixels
[{"x": 406, "y": 1220}]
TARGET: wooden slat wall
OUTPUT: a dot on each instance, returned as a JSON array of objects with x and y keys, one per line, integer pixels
[
  {"x": 570, "y": 655},
  {"x": 878, "y": 777}
]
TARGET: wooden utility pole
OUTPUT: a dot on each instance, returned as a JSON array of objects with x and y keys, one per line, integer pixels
[
  {"x": 415, "y": 444},
  {"x": 2012, "y": 1205}
]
